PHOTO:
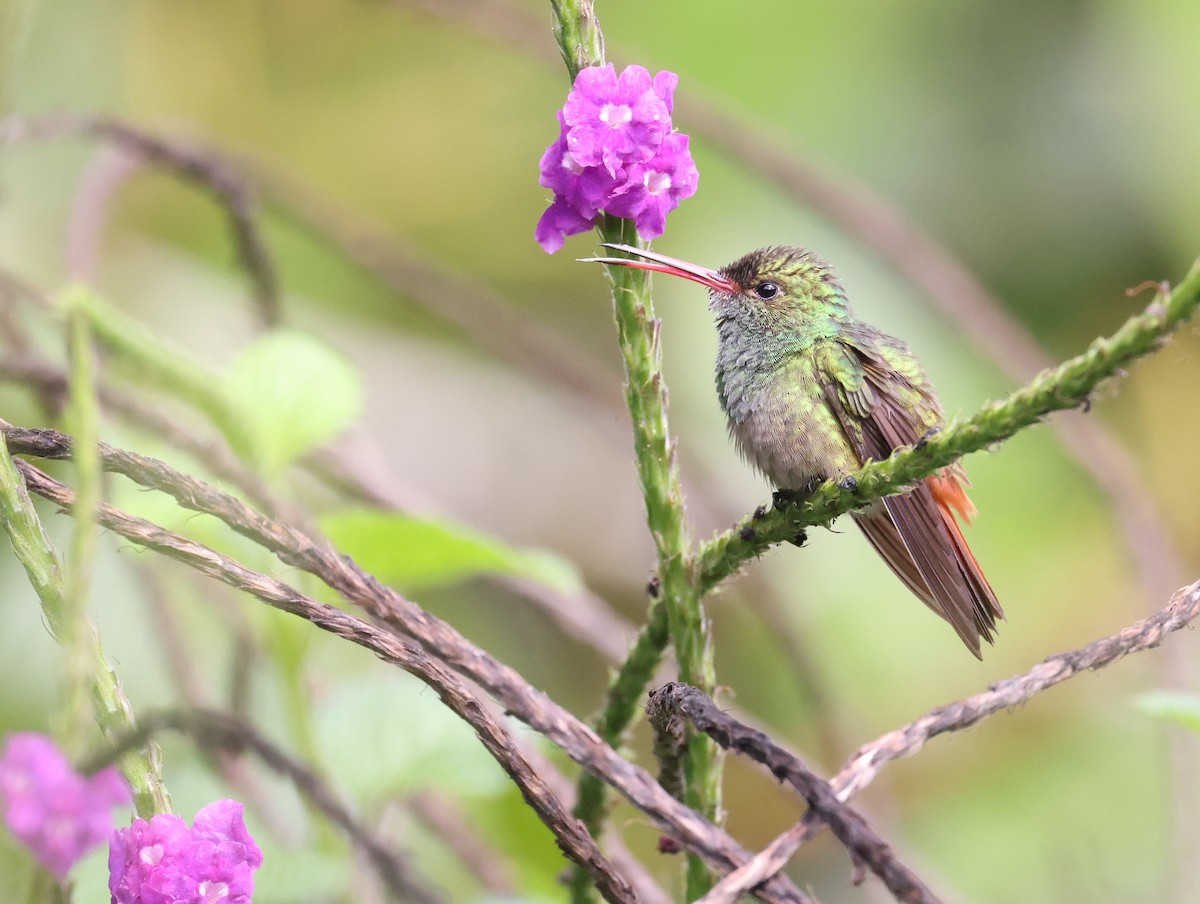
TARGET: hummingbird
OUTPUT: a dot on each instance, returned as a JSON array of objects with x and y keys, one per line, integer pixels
[{"x": 812, "y": 393}]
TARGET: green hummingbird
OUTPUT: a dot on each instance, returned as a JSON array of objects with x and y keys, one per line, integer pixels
[{"x": 812, "y": 393}]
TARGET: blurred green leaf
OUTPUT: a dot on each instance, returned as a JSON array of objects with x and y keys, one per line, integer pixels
[
  {"x": 414, "y": 554},
  {"x": 383, "y": 738},
  {"x": 295, "y": 393},
  {"x": 1180, "y": 707}
]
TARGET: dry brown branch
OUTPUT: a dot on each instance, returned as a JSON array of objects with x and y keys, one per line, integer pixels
[
  {"x": 675, "y": 700},
  {"x": 193, "y": 163},
  {"x": 515, "y": 694},
  {"x": 213, "y": 454},
  {"x": 866, "y": 763},
  {"x": 218, "y": 731},
  {"x": 107, "y": 172}
]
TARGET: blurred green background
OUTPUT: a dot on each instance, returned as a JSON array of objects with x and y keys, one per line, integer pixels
[{"x": 1050, "y": 145}]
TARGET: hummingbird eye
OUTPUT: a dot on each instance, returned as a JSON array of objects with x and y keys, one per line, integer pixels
[{"x": 766, "y": 290}]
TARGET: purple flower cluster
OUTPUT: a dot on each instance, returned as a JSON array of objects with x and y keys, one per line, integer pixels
[
  {"x": 615, "y": 153},
  {"x": 57, "y": 813},
  {"x": 164, "y": 862}
]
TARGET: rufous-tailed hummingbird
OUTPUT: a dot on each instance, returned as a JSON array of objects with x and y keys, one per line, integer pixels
[{"x": 811, "y": 393}]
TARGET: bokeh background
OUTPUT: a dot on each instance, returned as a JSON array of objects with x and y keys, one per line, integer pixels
[{"x": 1049, "y": 146}]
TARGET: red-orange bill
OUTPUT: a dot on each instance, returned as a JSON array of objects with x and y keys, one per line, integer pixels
[{"x": 661, "y": 263}]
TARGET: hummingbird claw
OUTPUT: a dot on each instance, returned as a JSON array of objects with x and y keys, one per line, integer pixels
[
  {"x": 929, "y": 434},
  {"x": 849, "y": 484},
  {"x": 759, "y": 513},
  {"x": 800, "y": 539},
  {"x": 653, "y": 587},
  {"x": 782, "y": 499},
  {"x": 748, "y": 533}
]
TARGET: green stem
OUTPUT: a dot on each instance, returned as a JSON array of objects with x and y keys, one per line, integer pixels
[
  {"x": 35, "y": 552},
  {"x": 149, "y": 360},
  {"x": 582, "y": 44},
  {"x": 82, "y": 417},
  {"x": 1069, "y": 385},
  {"x": 577, "y": 31},
  {"x": 625, "y": 694}
]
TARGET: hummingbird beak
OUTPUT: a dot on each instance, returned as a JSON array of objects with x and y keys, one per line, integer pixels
[{"x": 660, "y": 263}]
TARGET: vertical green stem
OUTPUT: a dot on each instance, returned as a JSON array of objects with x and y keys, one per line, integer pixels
[
  {"x": 83, "y": 420},
  {"x": 142, "y": 769},
  {"x": 658, "y": 473},
  {"x": 680, "y": 601}
]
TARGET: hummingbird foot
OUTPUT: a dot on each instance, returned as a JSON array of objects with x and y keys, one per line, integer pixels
[
  {"x": 849, "y": 484},
  {"x": 929, "y": 434},
  {"x": 785, "y": 499},
  {"x": 800, "y": 539}
]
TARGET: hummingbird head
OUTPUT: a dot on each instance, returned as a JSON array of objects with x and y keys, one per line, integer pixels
[{"x": 772, "y": 288}]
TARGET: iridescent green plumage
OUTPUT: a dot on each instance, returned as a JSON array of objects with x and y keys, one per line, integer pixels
[{"x": 812, "y": 393}]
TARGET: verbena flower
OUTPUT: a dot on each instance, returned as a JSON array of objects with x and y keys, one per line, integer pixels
[
  {"x": 165, "y": 862},
  {"x": 57, "y": 813},
  {"x": 615, "y": 152},
  {"x": 653, "y": 189}
]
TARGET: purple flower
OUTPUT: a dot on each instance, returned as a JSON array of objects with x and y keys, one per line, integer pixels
[
  {"x": 164, "y": 862},
  {"x": 615, "y": 152},
  {"x": 653, "y": 189},
  {"x": 57, "y": 813},
  {"x": 613, "y": 121}
]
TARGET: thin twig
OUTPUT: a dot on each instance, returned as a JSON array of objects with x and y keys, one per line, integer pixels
[
  {"x": 442, "y": 641},
  {"x": 107, "y": 172},
  {"x": 868, "y": 761},
  {"x": 676, "y": 700},
  {"x": 221, "y": 731},
  {"x": 195, "y": 164}
]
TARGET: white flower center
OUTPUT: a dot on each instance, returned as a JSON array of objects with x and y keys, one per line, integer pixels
[
  {"x": 151, "y": 854},
  {"x": 213, "y": 891},
  {"x": 570, "y": 164},
  {"x": 616, "y": 115},
  {"x": 656, "y": 183}
]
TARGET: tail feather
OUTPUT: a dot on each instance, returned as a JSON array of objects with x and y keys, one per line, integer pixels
[{"x": 918, "y": 535}]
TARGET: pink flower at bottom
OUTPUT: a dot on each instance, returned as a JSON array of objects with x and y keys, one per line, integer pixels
[
  {"x": 165, "y": 862},
  {"x": 57, "y": 813}
]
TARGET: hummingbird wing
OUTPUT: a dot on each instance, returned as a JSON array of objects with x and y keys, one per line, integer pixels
[{"x": 878, "y": 392}]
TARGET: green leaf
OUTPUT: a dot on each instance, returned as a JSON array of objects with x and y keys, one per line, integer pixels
[
  {"x": 294, "y": 394},
  {"x": 414, "y": 554},
  {"x": 384, "y": 738},
  {"x": 1180, "y": 707}
]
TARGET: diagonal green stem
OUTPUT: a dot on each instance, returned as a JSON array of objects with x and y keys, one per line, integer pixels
[{"x": 1069, "y": 385}]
